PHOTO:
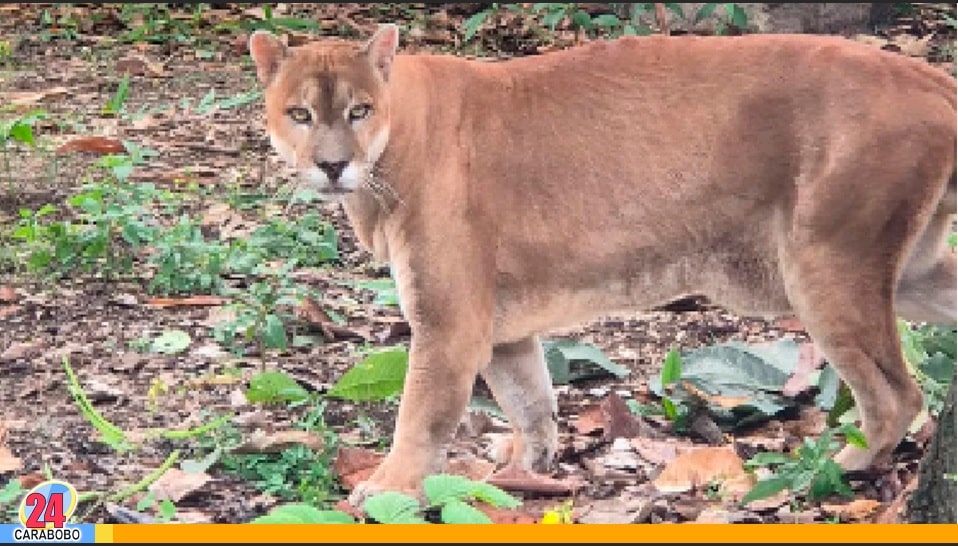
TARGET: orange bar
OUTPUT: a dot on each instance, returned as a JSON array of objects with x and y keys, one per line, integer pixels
[{"x": 661, "y": 533}]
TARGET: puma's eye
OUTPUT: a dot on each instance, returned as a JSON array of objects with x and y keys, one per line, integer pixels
[
  {"x": 360, "y": 111},
  {"x": 299, "y": 115}
]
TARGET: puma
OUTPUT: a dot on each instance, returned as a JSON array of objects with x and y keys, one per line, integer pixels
[{"x": 802, "y": 175}]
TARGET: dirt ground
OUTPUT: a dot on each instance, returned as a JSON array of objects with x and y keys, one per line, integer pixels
[{"x": 68, "y": 61}]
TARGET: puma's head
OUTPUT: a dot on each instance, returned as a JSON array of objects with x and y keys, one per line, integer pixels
[{"x": 327, "y": 109}]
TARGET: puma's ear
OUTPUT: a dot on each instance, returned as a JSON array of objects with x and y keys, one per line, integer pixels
[
  {"x": 267, "y": 52},
  {"x": 381, "y": 48}
]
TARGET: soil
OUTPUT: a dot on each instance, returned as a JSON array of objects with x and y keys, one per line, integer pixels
[{"x": 71, "y": 59}]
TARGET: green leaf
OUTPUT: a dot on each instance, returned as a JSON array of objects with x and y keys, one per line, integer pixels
[
  {"x": 672, "y": 369},
  {"x": 676, "y": 8},
  {"x": 704, "y": 12},
  {"x": 171, "y": 342},
  {"x": 443, "y": 488},
  {"x": 303, "y": 513},
  {"x": 459, "y": 512},
  {"x": 274, "y": 334},
  {"x": 473, "y": 23},
  {"x": 853, "y": 435},
  {"x": 767, "y": 458},
  {"x": 828, "y": 388},
  {"x": 569, "y": 360},
  {"x": 582, "y": 19},
  {"x": 167, "y": 509},
  {"x": 147, "y": 501},
  {"x": 668, "y": 407},
  {"x": 22, "y": 133},
  {"x": 393, "y": 507},
  {"x": 607, "y": 20},
  {"x": 736, "y": 15},
  {"x": 379, "y": 376},
  {"x": 765, "y": 488},
  {"x": 494, "y": 496},
  {"x": 275, "y": 387}
]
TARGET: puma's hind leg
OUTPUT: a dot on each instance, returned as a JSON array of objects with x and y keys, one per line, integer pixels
[{"x": 519, "y": 380}]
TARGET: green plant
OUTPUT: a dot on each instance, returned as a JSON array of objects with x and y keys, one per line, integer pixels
[
  {"x": 449, "y": 496},
  {"x": 10, "y": 497},
  {"x": 809, "y": 469},
  {"x": 19, "y": 129},
  {"x": 377, "y": 377},
  {"x": 185, "y": 261}
]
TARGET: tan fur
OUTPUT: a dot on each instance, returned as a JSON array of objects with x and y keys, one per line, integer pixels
[{"x": 774, "y": 174}]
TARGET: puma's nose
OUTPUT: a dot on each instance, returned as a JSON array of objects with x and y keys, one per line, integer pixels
[{"x": 332, "y": 169}]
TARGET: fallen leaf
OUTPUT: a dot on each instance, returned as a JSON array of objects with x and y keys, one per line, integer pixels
[
  {"x": 790, "y": 324},
  {"x": 8, "y": 462},
  {"x": 31, "y": 480},
  {"x": 354, "y": 465},
  {"x": 274, "y": 442},
  {"x": 175, "y": 484},
  {"x": 855, "y": 510},
  {"x": 506, "y": 515},
  {"x": 727, "y": 402},
  {"x": 810, "y": 359},
  {"x": 713, "y": 516},
  {"x": 20, "y": 350},
  {"x": 138, "y": 66},
  {"x": 9, "y": 310},
  {"x": 474, "y": 468},
  {"x": 589, "y": 420},
  {"x": 660, "y": 452},
  {"x": 512, "y": 478},
  {"x": 26, "y": 98},
  {"x": 617, "y": 420},
  {"x": 699, "y": 467},
  {"x": 191, "y": 301},
  {"x": 8, "y": 294},
  {"x": 93, "y": 144}
]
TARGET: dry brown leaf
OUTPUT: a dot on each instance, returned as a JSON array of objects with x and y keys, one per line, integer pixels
[
  {"x": 26, "y": 98},
  {"x": 31, "y": 480},
  {"x": 176, "y": 484},
  {"x": 790, "y": 324},
  {"x": 810, "y": 359},
  {"x": 93, "y": 144},
  {"x": 855, "y": 510},
  {"x": 512, "y": 478},
  {"x": 9, "y": 310},
  {"x": 699, "y": 467},
  {"x": 617, "y": 420},
  {"x": 8, "y": 294},
  {"x": 475, "y": 469},
  {"x": 136, "y": 65},
  {"x": 274, "y": 442},
  {"x": 660, "y": 451},
  {"x": 506, "y": 515},
  {"x": 19, "y": 350},
  {"x": 191, "y": 301},
  {"x": 354, "y": 465},
  {"x": 9, "y": 462},
  {"x": 727, "y": 402},
  {"x": 589, "y": 420}
]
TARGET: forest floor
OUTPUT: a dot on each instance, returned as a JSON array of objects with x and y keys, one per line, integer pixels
[{"x": 151, "y": 131}]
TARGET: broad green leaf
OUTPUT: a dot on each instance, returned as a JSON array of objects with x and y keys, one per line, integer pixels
[
  {"x": 22, "y": 133},
  {"x": 672, "y": 369},
  {"x": 765, "y": 489},
  {"x": 494, "y": 496},
  {"x": 606, "y": 20},
  {"x": 459, "y": 512},
  {"x": 171, "y": 342},
  {"x": 736, "y": 15},
  {"x": 443, "y": 488},
  {"x": 393, "y": 507},
  {"x": 668, "y": 407},
  {"x": 303, "y": 513},
  {"x": 273, "y": 387},
  {"x": 582, "y": 19},
  {"x": 379, "y": 376},
  {"x": 828, "y": 387},
  {"x": 167, "y": 509},
  {"x": 570, "y": 360},
  {"x": 704, "y": 12},
  {"x": 274, "y": 334},
  {"x": 147, "y": 501}
]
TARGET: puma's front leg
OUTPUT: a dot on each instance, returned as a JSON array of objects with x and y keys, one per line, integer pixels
[{"x": 450, "y": 315}]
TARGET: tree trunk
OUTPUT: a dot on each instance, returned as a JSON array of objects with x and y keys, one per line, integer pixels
[{"x": 935, "y": 498}]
